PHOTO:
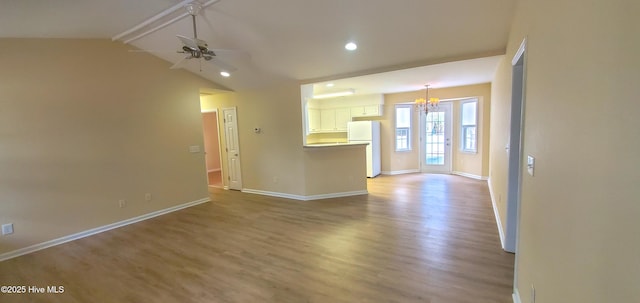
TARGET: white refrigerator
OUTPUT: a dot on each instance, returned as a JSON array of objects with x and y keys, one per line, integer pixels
[{"x": 367, "y": 132}]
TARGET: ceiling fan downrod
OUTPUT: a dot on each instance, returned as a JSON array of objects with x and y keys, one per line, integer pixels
[
  {"x": 195, "y": 32},
  {"x": 193, "y": 9}
]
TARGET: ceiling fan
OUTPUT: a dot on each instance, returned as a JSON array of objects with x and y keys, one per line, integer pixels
[{"x": 199, "y": 49}]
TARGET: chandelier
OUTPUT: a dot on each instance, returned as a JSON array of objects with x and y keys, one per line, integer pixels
[{"x": 427, "y": 104}]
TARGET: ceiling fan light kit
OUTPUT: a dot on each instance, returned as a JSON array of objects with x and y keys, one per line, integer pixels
[{"x": 351, "y": 46}]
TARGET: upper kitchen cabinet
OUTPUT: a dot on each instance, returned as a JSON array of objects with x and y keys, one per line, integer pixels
[
  {"x": 366, "y": 105},
  {"x": 332, "y": 115},
  {"x": 366, "y": 111},
  {"x": 334, "y": 119}
]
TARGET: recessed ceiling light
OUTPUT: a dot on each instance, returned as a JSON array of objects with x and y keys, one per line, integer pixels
[
  {"x": 351, "y": 46},
  {"x": 225, "y": 74},
  {"x": 330, "y": 84}
]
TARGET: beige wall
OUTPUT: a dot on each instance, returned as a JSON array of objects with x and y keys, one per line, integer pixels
[
  {"x": 274, "y": 161},
  {"x": 469, "y": 163},
  {"x": 85, "y": 123},
  {"x": 79, "y": 134},
  {"x": 500, "y": 123},
  {"x": 578, "y": 237},
  {"x": 342, "y": 169}
]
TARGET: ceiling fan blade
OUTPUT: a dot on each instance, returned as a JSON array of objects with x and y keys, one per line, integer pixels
[
  {"x": 230, "y": 53},
  {"x": 189, "y": 42},
  {"x": 179, "y": 63},
  {"x": 152, "y": 51}
]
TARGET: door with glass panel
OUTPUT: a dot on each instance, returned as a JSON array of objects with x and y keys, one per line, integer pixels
[{"x": 435, "y": 140}]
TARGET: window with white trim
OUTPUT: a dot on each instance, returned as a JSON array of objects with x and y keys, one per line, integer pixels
[
  {"x": 469, "y": 127},
  {"x": 403, "y": 127}
]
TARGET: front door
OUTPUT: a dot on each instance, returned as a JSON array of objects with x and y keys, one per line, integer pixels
[
  {"x": 435, "y": 140},
  {"x": 233, "y": 148}
]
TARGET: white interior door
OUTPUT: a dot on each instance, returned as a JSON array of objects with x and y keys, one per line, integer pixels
[
  {"x": 233, "y": 148},
  {"x": 435, "y": 140}
]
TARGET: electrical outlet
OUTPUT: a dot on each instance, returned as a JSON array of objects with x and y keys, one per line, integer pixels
[
  {"x": 147, "y": 197},
  {"x": 7, "y": 229},
  {"x": 122, "y": 203}
]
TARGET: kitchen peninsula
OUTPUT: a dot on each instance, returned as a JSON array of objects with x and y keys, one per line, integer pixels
[{"x": 335, "y": 170}]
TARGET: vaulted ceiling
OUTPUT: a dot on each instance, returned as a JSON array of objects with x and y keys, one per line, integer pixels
[{"x": 291, "y": 39}]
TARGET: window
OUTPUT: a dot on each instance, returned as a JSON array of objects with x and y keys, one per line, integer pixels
[
  {"x": 403, "y": 127},
  {"x": 469, "y": 127}
]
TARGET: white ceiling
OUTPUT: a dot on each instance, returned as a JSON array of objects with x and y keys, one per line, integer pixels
[
  {"x": 299, "y": 39},
  {"x": 456, "y": 73},
  {"x": 74, "y": 19}
]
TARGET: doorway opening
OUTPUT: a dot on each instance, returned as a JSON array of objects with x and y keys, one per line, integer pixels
[{"x": 212, "y": 148}]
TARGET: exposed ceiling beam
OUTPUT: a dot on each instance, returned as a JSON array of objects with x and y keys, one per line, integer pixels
[{"x": 156, "y": 18}]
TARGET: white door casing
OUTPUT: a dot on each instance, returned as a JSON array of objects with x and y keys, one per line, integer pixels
[
  {"x": 514, "y": 173},
  {"x": 233, "y": 148}
]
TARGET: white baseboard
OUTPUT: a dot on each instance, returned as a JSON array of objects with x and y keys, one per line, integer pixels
[
  {"x": 400, "y": 172},
  {"x": 213, "y": 170},
  {"x": 516, "y": 296},
  {"x": 272, "y": 194},
  {"x": 496, "y": 213},
  {"x": 304, "y": 198},
  {"x": 472, "y": 176},
  {"x": 336, "y": 195},
  {"x": 93, "y": 231}
]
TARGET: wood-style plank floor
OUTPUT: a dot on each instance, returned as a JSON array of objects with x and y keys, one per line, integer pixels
[{"x": 414, "y": 238}]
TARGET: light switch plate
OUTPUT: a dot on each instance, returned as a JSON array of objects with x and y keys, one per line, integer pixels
[
  {"x": 7, "y": 229},
  {"x": 194, "y": 148},
  {"x": 531, "y": 163}
]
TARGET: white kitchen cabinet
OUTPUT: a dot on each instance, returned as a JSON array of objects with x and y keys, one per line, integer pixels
[
  {"x": 366, "y": 111},
  {"x": 334, "y": 119},
  {"x": 314, "y": 123},
  {"x": 343, "y": 116},
  {"x": 327, "y": 119}
]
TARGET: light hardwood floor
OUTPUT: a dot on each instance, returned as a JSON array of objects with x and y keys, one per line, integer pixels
[{"x": 414, "y": 238}]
